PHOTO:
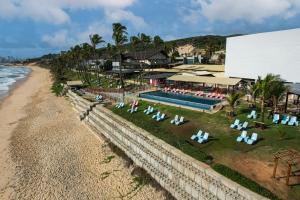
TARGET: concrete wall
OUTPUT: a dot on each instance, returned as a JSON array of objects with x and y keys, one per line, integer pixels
[
  {"x": 256, "y": 55},
  {"x": 183, "y": 176}
]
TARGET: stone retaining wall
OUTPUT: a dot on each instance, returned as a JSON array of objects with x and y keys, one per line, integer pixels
[{"x": 181, "y": 175}]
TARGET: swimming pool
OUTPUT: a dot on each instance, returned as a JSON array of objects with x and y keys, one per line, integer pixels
[{"x": 181, "y": 99}]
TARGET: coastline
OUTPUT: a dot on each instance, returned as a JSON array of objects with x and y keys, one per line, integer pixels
[
  {"x": 47, "y": 153},
  {"x": 15, "y": 85}
]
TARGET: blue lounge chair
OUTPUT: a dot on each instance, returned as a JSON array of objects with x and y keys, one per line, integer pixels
[
  {"x": 242, "y": 127},
  {"x": 252, "y": 115},
  {"x": 197, "y": 136},
  {"x": 151, "y": 110},
  {"x": 235, "y": 124},
  {"x": 146, "y": 110},
  {"x": 180, "y": 121},
  {"x": 160, "y": 118},
  {"x": 293, "y": 121},
  {"x": 276, "y": 118},
  {"x": 204, "y": 138},
  {"x": 120, "y": 105},
  {"x": 253, "y": 139},
  {"x": 156, "y": 115},
  {"x": 175, "y": 119},
  {"x": 242, "y": 137},
  {"x": 99, "y": 98},
  {"x": 285, "y": 119}
]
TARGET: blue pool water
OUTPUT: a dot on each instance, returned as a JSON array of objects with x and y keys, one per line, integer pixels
[{"x": 181, "y": 99}]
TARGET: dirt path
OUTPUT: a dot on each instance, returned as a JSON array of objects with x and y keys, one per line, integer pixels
[{"x": 53, "y": 156}]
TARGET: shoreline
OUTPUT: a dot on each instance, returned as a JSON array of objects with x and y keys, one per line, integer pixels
[{"x": 15, "y": 85}]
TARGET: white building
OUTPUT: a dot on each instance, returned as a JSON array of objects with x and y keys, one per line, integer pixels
[{"x": 256, "y": 55}]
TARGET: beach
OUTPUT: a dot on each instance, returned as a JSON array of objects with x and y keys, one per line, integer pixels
[{"x": 47, "y": 153}]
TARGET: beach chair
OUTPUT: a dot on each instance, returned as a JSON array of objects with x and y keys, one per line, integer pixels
[
  {"x": 252, "y": 115},
  {"x": 235, "y": 124},
  {"x": 99, "y": 98},
  {"x": 276, "y": 118},
  {"x": 242, "y": 127},
  {"x": 146, "y": 110},
  {"x": 293, "y": 121},
  {"x": 253, "y": 139},
  {"x": 120, "y": 105},
  {"x": 285, "y": 119},
  {"x": 151, "y": 110},
  {"x": 135, "y": 109},
  {"x": 175, "y": 119},
  {"x": 204, "y": 138},
  {"x": 242, "y": 137},
  {"x": 160, "y": 118},
  {"x": 197, "y": 136},
  {"x": 180, "y": 121},
  {"x": 156, "y": 115}
]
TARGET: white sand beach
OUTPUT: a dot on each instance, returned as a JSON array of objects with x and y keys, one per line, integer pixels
[{"x": 47, "y": 153}]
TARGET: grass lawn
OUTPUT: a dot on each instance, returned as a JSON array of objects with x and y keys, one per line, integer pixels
[{"x": 222, "y": 142}]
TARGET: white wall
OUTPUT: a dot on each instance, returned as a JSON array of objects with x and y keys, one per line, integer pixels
[{"x": 256, "y": 55}]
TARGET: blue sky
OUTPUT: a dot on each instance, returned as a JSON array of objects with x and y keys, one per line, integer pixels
[{"x": 30, "y": 28}]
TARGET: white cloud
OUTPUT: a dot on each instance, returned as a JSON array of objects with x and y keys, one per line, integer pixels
[
  {"x": 254, "y": 11},
  {"x": 116, "y": 15},
  {"x": 102, "y": 29},
  {"x": 59, "y": 39},
  {"x": 54, "y": 11}
]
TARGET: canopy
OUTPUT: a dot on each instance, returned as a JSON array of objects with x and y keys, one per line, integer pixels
[{"x": 205, "y": 79}]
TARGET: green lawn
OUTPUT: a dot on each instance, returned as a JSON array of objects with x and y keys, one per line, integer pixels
[{"x": 222, "y": 141}]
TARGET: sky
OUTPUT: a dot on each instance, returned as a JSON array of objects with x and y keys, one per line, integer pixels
[{"x": 31, "y": 28}]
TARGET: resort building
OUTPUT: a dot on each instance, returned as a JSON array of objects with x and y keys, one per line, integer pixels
[{"x": 256, "y": 55}]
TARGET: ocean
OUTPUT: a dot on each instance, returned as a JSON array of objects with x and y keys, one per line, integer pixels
[{"x": 9, "y": 76}]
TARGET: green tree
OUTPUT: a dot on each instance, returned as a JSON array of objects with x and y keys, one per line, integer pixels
[
  {"x": 95, "y": 40},
  {"x": 120, "y": 37},
  {"x": 264, "y": 90},
  {"x": 232, "y": 99},
  {"x": 157, "y": 41}
]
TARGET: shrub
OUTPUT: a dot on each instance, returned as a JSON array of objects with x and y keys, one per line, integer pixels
[
  {"x": 57, "y": 88},
  {"x": 244, "y": 181}
]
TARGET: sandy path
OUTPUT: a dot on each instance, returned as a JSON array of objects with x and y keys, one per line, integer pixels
[{"x": 46, "y": 153}]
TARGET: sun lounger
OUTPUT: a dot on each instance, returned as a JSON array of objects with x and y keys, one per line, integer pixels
[
  {"x": 242, "y": 127},
  {"x": 146, "y": 110},
  {"x": 253, "y": 139},
  {"x": 252, "y": 115},
  {"x": 204, "y": 138},
  {"x": 276, "y": 118},
  {"x": 160, "y": 118},
  {"x": 99, "y": 98},
  {"x": 181, "y": 121},
  {"x": 197, "y": 136},
  {"x": 242, "y": 137},
  {"x": 175, "y": 119},
  {"x": 120, "y": 105},
  {"x": 235, "y": 124},
  {"x": 156, "y": 115},
  {"x": 285, "y": 119},
  {"x": 151, "y": 110},
  {"x": 293, "y": 121}
]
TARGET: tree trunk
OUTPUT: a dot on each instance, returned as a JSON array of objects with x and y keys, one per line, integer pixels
[{"x": 263, "y": 110}]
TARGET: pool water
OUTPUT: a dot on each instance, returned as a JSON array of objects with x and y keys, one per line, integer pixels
[{"x": 181, "y": 99}]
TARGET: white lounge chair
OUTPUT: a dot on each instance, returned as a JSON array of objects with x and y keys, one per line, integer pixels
[
  {"x": 242, "y": 127},
  {"x": 285, "y": 119},
  {"x": 252, "y": 115},
  {"x": 160, "y": 118},
  {"x": 235, "y": 124},
  {"x": 146, "y": 110},
  {"x": 204, "y": 138},
  {"x": 276, "y": 118},
  {"x": 293, "y": 121},
  {"x": 253, "y": 139},
  {"x": 242, "y": 137},
  {"x": 156, "y": 115},
  {"x": 198, "y": 135},
  {"x": 180, "y": 121},
  {"x": 175, "y": 119}
]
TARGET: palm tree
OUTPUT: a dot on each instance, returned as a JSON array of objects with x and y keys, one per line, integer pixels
[
  {"x": 232, "y": 99},
  {"x": 157, "y": 41},
  {"x": 120, "y": 37},
  {"x": 278, "y": 89},
  {"x": 264, "y": 90},
  {"x": 96, "y": 40}
]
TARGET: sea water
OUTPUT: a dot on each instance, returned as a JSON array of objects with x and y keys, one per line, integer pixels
[{"x": 9, "y": 76}]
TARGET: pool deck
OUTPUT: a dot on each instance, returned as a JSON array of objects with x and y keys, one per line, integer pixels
[{"x": 218, "y": 106}]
